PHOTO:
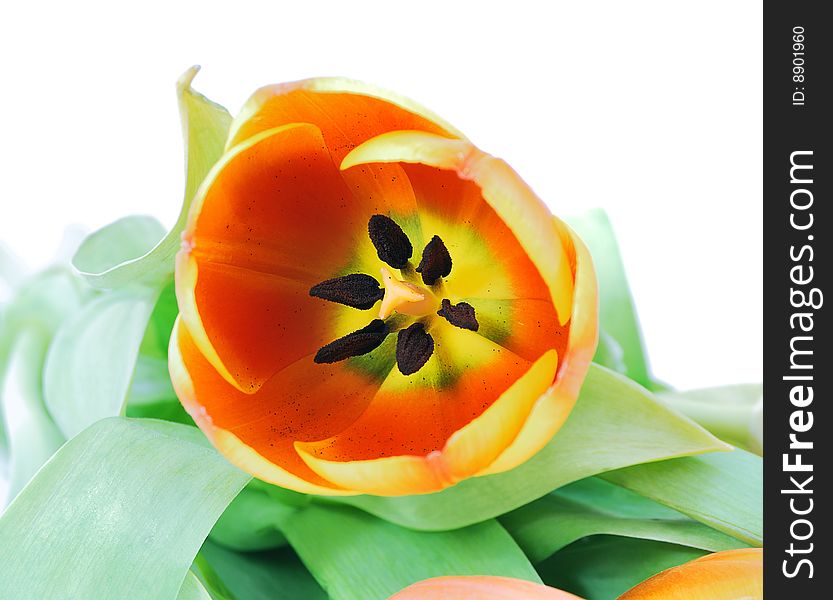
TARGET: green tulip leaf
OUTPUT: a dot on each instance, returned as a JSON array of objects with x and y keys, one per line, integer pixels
[
  {"x": 617, "y": 311},
  {"x": 592, "y": 507},
  {"x": 733, "y": 413},
  {"x": 151, "y": 383},
  {"x": 252, "y": 522},
  {"x": 36, "y": 311},
  {"x": 604, "y": 567},
  {"x": 609, "y": 354},
  {"x": 92, "y": 360},
  {"x": 151, "y": 394},
  {"x": 193, "y": 589},
  {"x": 272, "y": 575},
  {"x": 33, "y": 436},
  {"x": 355, "y": 556},
  {"x": 104, "y": 259},
  {"x": 121, "y": 242},
  {"x": 724, "y": 490},
  {"x": 158, "y": 334},
  {"x": 120, "y": 511},
  {"x": 615, "y": 423}
]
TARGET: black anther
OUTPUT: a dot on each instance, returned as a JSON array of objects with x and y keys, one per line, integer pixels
[
  {"x": 436, "y": 261},
  {"x": 356, "y": 290},
  {"x": 460, "y": 315},
  {"x": 414, "y": 347},
  {"x": 357, "y": 343},
  {"x": 392, "y": 245}
]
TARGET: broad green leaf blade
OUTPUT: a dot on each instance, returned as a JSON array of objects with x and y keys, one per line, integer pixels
[
  {"x": 724, "y": 491},
  {"x": 604, "y": 567},
  {"x": 151, "y": 394},
  {"x": 91, "y": 362},
  {"x": 192, "y": 589},
  {"x": 592, "y": 507},
  {"x": 609, "y": 354},
  {"x": 120, "y": 511},
  {"x": 734, "y": 413},
  {"x": 355, "y": 556},
  {"x": 252, "y": 522},
  {"x": 205, "y": 128},
  {"x": 36, "y": 311},
  {"x": 4, "y": 359},
  {"x": 615, "y": 423},
  {"x": 151, "y": 382},
  {"x": 33, "y": 437},
  {"x": 617, "y": 311},
  {"x": 161, "y": 324},
  {"x": 209, "y": 579},
  {"x": 272, "y": 575}
]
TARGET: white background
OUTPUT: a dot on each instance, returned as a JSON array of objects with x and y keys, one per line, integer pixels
[{"x": 650, "y": 110}]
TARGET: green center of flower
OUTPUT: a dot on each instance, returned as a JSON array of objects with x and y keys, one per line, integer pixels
[{"x": 416, "y": 293}]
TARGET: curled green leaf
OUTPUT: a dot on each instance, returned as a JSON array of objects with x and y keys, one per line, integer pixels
[{"x": 105, "y": 260}]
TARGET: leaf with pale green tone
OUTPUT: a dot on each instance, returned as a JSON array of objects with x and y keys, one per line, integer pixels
[
  {"x": 35, "y": 312},
  {"x": 151, "y": 383},
  {"x": 355, "y": 556},
  {"x": 120, "y": 242},
  {"x": 33, "y": 437},
  {"x": 43, "y": 302},
  {"x": 151, "y": 394},
  {"x": 209, "y": 579},
  {"x": 604, "y": 567},
  {"x": 724, "y": 490},
  {"x": 615, "y": 423},
  {"x": 617, "y": 311},
  {"x": 4, "y": 359},
  {"x": 193, "y": 589},
  {"x": 272, "y": 575},
  {"x": 91, "y": 362},
  {"x": 205, "y": 128},
  {"x": 158, "y": 334},
  {"x": 609, "y": 354},
  {"x": 592, "y": 507},
  {"x": 120, "y": 511},
  {"x": 252, "y": 522},
  {"x": 733, "y": 413}
]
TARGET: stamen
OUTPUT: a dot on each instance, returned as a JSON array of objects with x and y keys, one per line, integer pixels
[
  {"x": 357, "y": 343},
  {"x": 356, "y": 290},
  {"x": 436, "y": 261},
  {"x": 414, "y": 346},
  {"x": 392, "y": 245},
  {"x": 460, "y": 315}
]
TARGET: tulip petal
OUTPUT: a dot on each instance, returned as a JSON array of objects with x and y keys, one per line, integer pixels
[
  {"x": 225, "y": 414},
  {"x": 488, "y": 258},
  {"x": 470, "y": 449},
  {"x": 727, "y": 575},
  {"x": 474, "y": 447},
  {"x": 510, "y": 197},
  {"x": 553, "y": 408},
  {"x": 348, "y": 112},
  {"x": 480, "y": 587},
  {"x": 259, "y": 237}
]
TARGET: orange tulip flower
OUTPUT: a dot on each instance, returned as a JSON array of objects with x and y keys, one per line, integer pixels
[
  {"x": 480, "y": 587},
  {"x": 370, "y": 304},
  {"x": 727, "y": 575}
]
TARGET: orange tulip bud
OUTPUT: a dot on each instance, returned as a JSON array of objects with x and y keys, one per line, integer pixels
[
  {"x": 370, "y": 304},
  {"x": 480, "y": 588},
  {"x": 727, "y": 575}
]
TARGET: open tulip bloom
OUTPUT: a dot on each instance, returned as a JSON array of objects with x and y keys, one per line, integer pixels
[
  {"x": 370, "y": 304},
  {"x": 387, "y": 338}
]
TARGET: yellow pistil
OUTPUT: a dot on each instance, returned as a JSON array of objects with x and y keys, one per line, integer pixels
[{"x": 405, "y": 298}]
